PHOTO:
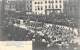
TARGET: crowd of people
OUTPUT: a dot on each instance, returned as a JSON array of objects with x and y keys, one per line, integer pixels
[
  {"x": 49, "y": 34},
  {"x": 55, "y": 35}
]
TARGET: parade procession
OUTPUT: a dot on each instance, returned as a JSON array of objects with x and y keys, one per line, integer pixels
[{"x": 48, "y": 24}]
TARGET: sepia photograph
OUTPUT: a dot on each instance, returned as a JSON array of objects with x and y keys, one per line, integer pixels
[{"x": 46, "y": 24}]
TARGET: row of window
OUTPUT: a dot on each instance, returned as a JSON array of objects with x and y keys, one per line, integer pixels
[
  {"x": 10, "y": 7},
  {"x": 48, "y": 2},
  {"x": 29, "y": 6},
  {"x": 38, "y": 13},
  {"x": 39, "y": 8},
  {"x": 56, "y": 6},
  {"x": 53, "y": 1},
  {"x": 28, "y": 9},
  {"x": 38, "y": 2},
  {"x": 29, "y": 1},
  {"x": 13, "y": 7}
]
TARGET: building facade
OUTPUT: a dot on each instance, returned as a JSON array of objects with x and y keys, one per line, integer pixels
[
  {"x": 72, "y": 8},
  {"x": 28, "y": 5},
  {"x": 10, "y": 5},
  {"x": 40, "y": 6},
  {"x": 20, "y": 5}
]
